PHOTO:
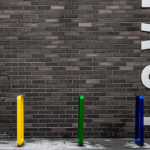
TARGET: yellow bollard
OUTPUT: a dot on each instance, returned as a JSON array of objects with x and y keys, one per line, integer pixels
[{"x": 20, "y": 120}]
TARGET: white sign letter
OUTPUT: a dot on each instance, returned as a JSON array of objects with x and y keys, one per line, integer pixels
[
  {"x": 145, "y": 3},
  {"x": 145, "y": 27},
  {"x": 145, "y": 45},
  {"x": 145, "y": 76}
]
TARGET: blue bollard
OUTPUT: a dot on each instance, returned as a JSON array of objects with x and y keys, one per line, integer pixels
[{"x": 139, "y": 120}]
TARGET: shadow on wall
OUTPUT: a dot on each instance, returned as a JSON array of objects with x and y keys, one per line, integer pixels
[
  {"x": 6, "y": 128},
  {"x": 112, "y": 129},
  {"x": 3, "y": 133}
]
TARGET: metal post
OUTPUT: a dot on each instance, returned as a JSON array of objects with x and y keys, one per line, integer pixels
[
  {"x": 139, "y": 120},
  {"x": 80, "y": 120},
  {"x": 20, "y": 120}
]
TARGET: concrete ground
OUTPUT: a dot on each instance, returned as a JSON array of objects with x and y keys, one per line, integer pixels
[{"x": 71, "y": 144}]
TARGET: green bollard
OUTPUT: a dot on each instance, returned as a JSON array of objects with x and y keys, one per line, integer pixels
[{"x": 80, "y": 120}]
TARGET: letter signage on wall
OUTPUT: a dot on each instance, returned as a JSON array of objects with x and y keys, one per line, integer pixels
[
  {"x": 145, "y": 3},
  {"x": 145, "y": 76}
]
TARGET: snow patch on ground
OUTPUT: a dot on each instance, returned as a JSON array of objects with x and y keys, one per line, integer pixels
[
  {"x": 133, "y": 145},
  {"x": 52, "y": 145},
  {"x": 107, "y": 140}
]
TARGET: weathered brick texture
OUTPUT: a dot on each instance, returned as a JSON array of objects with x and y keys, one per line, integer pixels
[{"x": 51, "y": 51}]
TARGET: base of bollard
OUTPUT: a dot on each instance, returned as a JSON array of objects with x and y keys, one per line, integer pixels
[
  {"x": 139, "y": 143},
  {"x": 79, "y": 142}
]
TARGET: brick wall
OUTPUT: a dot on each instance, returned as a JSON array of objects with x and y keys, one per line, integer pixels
[{"x": 51, "y": 51}]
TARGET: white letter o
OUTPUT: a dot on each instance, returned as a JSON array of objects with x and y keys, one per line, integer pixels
[{"x": 145, "y": 76}]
